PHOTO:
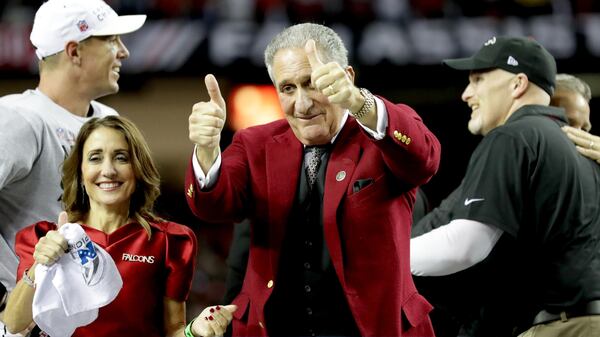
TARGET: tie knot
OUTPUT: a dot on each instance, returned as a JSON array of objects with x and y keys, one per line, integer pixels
[{"x": 316, "y": 151}]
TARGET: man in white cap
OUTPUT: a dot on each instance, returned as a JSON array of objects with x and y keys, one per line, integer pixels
[{"x": 80, "y": 54}]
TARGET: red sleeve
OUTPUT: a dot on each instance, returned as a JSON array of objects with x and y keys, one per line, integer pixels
[
  {"x": 180, "y": 261},
  {"x": 410, "y": 149},
  {"x": 228, "y": 199},
  {"x": 25, "y": 242}
]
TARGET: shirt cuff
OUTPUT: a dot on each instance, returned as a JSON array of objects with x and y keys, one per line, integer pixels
[
  {"x": 206, "y": 181},
  {"x": 382, "y": 120}
]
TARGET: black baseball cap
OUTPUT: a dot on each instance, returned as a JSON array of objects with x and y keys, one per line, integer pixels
[{"x": 515, "y": 55}]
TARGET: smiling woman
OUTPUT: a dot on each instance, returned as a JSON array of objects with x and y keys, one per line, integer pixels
[
  {"x": 110, "y": 185},
  {"x": 110, "y": 170},
  {"x": 107, "y": 174}
]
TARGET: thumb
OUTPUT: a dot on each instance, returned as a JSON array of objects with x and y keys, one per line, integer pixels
[
  {"x": 63, "y": 218},
  {"x": 212, "y": 86},
  {"x": 230, "y": 307},
  {"x": 311, "y": 51}
]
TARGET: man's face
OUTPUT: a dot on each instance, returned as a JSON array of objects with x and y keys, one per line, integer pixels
[
  {"x": 489, "y": 97},
  {"x": 576, "y": 108},
  {"x": 101, "y": 64},
  {"x": 312, "y": 118}
]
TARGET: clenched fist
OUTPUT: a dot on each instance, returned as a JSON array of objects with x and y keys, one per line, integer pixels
[{"x": 206, "y": 123}]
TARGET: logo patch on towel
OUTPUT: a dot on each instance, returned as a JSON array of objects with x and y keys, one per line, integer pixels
[{"x": 84, "y": 252}]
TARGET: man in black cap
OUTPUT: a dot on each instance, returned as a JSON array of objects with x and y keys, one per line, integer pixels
[
  {"x": 528, "y": 201},
  {"x": 456, "y": 311}
]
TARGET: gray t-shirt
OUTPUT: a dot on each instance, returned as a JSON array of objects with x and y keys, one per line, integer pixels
[{"x": 36, "y": 135}]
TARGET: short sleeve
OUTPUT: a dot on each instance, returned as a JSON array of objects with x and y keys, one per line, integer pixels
[
  {"x": 20, "y": 146},
  {"x": 493, "y": 191},
  {"x": 25, "y": 242},
  {"x": 180, "y": 261}
]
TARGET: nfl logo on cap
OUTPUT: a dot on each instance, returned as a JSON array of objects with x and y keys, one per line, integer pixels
[{"x": 82, "y": 25}]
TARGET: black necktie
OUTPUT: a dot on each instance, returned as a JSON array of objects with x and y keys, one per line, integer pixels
[{"x": 313, "y": 161}]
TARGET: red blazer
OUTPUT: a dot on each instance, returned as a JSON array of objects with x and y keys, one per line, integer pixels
[{"x": 367, "y": 232}]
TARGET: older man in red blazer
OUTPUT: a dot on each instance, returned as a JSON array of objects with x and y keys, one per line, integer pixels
[{"x": 329, "y": 192}]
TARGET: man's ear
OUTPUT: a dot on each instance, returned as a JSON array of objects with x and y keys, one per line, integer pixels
[
  {"x": 73, "y": 52},
  {"x": 350, "y": 72},
  {"x": 519, "y": 85}
]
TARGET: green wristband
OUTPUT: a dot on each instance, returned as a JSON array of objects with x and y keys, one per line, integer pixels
[{"x": 188, "y": 329}]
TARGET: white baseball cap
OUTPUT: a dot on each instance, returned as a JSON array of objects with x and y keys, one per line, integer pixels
[{"x": 60, "y": 21}]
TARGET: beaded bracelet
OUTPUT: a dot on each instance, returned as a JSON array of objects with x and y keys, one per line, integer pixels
[{"x": 188, "y": 329}]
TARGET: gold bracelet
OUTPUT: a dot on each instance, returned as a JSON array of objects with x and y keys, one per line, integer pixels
[{"x": 28, "y": 281}]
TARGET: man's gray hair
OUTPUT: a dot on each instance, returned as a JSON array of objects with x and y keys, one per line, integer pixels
[
  {"x": 575, "y": 84},
  {"x": 329, "y": 44}
]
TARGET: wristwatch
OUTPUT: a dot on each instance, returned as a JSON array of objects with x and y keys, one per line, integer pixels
[{"x": 369, "y": 103}]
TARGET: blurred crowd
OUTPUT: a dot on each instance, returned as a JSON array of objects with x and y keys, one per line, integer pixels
[{"x": 343, "y": 11}]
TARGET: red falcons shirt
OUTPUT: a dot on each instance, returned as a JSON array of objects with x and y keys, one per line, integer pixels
[{"x": 151, "y": 270}]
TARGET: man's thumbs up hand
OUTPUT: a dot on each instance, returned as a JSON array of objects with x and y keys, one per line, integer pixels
[
  {"x": 208, "y": 118},
  {"x": 333, "y": 81},
  {"x": 206, "y": 123}
]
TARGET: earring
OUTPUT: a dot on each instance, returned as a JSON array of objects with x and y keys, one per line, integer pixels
[{"x": 83, "y": 194}]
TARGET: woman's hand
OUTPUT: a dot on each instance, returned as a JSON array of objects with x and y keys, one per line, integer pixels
[
  {"x": 50, "y": 248},
  {"x": 213, "y": 321},
  {"x": 18, "y": 315},
  {"x": 587, "y": 144}
]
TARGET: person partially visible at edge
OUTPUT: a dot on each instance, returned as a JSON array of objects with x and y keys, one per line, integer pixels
[
  {"x": 574, "y": 96},
  {"x": 111, "y": 184},
  {"x": 528, "y": 188},
  {"x": 80, "y": 58},
  {"x": 329, "y": 193}
]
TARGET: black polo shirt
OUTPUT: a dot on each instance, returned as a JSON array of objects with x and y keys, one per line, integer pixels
[{"x": 527, "y": 178}]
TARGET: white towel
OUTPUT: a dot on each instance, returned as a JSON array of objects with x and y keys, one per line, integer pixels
[{"x": 69, "y": 292}]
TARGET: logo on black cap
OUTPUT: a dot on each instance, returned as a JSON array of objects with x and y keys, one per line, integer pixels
[{"x": 515, "y": 55}]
